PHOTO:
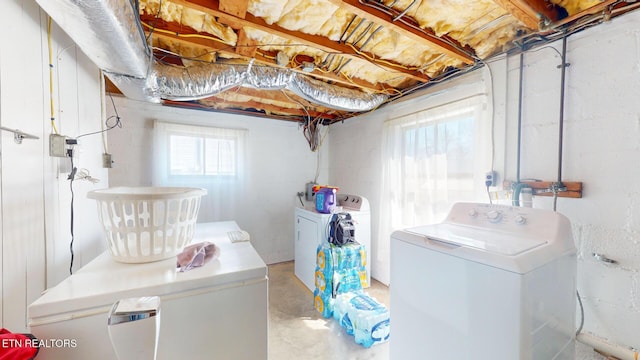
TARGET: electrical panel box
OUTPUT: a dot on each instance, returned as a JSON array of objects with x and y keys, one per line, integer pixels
[{"x": 57, "y": 145}]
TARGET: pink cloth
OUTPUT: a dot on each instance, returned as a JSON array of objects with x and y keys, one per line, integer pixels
[{"x": 197, "y": 255}]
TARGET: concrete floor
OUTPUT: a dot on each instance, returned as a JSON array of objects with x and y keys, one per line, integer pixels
[{"x": 297, "y": 331}]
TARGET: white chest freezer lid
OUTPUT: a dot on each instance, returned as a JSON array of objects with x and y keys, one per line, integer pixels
[
  {"x": 103, "y": 281},
  {"x": 481, "y": 239}
]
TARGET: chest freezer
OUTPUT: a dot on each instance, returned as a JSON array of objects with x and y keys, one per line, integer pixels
[{"x": 218, "y": 310}]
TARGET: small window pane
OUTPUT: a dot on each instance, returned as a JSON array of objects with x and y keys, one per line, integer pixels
[
  {"x": 200, "y": 155},
  {"x": 220, "y": 156},
  {"x": 185, "y": 155}
]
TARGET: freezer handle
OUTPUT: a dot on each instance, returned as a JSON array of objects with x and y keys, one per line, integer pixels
[{"x": 128, "y": 310}]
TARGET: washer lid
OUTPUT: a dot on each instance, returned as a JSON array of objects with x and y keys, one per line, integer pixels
[{"x": 493, "y": 241}]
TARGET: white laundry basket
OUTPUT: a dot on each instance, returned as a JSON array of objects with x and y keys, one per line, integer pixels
[{"x": 145, "y": 224}]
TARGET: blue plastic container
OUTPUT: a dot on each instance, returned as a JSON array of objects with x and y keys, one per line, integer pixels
[{"x": 326, "y": 200}]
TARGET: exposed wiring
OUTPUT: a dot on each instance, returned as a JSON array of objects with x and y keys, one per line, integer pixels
[
  {"x": 315, "y": 178},
  {"x": 83, "y": 174},
  {"x": 390, "y": 11},
  {"x": 493, "y": 101},
  {"x": 310, "y": 128},
  {"x": 117, "y": 123},
  {"x": 103, "y": 112},
  {"x": 51, "y": 102},
  {"x": 200, "y": 36},
  {"x": 373, "y": 60},
  {"x": 71, "y": 177},
  {"x": 404, "y": 11},
  {"x": 152, "y": 28},
  {"x": 581, "y": 313}
]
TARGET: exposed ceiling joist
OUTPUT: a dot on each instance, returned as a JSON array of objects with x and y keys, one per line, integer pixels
[
  {"x": 237, "y": 8},
  {"x": 532, "y": 13},
  {"x": 264, "y": 114},
  {"x": 422, "y": 36},
  {"x": 589, "y": 11},
  {"x": 211, "y": 7},
  {"x": 246, "y": 46},
  {"x": 406, "y": 55}
]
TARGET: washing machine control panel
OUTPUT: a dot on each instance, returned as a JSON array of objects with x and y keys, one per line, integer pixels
[{"x": 488, "y": 214}]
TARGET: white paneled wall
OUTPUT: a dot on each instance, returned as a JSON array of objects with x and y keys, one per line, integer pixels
[
  {"x": 35, "y": 194},
  {"x": 601, "y": 149},
  {"x": 279, "y": 164}
]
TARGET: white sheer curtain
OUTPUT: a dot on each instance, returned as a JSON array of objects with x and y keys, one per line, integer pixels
[
  {"x": 431, "y": 159},
  {"x": 207, "y": 157}
]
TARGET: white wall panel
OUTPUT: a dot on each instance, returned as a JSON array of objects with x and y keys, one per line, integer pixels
[
  {"x": 34, "y": 195},
  {"x": 21, "y": 190}
]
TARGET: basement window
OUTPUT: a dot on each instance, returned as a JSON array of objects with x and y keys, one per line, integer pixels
[
  {"x": 187, "y": 153},
  {"x": 202, "y": 155},
  {"x": 433, "y": 158}
]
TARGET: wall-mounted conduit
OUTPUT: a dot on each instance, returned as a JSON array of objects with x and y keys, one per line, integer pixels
[{"x": 558, "y": 186}]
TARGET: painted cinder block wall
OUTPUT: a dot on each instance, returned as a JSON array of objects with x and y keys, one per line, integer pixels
[
  {"x": 601, "y": 149},
  {"x": 278, "y": 164}
]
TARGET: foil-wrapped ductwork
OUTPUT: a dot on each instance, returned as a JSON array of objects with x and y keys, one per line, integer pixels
[
  {"x": 140, "y": 89},
  {"x": 107, "y": 31},
  {"x": 268, "y": 78},
  {"x": 195, "y": 82},
  {"x": 333, "y": 96}
]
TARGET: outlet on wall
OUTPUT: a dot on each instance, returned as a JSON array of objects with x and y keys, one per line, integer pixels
[{"x": 490, "y": 178}]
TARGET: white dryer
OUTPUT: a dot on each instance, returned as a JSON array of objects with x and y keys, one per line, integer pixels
[
  {"x": 491, "y": 282},
  {"x": 312, "y": 228}
]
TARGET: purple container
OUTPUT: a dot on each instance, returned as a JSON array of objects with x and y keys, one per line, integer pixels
[{"x": 326, "y": 200}]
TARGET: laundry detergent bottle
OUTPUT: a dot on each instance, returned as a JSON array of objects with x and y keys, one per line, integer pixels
[{"x": 326, "y": 200}]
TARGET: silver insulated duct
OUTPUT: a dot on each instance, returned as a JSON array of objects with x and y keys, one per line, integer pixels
[{"x": 108, "y": 32}]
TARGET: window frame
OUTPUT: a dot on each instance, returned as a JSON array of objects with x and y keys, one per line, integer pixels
[{"x": 203, "y": 154}]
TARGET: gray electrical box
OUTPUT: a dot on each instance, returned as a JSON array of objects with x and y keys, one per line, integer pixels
[
  {"x": 57, "y": 145},
  {"x": 309, "y": 191}
]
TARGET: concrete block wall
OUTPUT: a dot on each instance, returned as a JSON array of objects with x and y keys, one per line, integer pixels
[
  {"x": 279, "y": 164},
  {"x": 601, "y": 149}
]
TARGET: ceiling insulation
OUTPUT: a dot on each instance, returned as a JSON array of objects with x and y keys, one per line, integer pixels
[{"x": 340, "y": 57}]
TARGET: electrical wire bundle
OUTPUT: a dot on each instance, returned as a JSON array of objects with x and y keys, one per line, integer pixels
[{"x": 312, "y": 132}]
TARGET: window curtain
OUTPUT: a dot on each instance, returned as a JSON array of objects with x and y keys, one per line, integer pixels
[
  {"x": 431, "y": 159},
  {"x": 225, "y": 193}
]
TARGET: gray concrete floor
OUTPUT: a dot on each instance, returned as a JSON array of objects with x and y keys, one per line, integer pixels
[{"x": 297, "y": 331}]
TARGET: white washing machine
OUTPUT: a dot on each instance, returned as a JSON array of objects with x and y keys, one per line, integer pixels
[
  {"x": 491, "y": 282},
  {"x": 312, "y": 228}
]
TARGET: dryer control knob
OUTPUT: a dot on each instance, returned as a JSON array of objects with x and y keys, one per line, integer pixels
[
  {"x": 494, "y": 216},
  {"x": 473, "y": 213},
  {"x": 520, "y": 220}
]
